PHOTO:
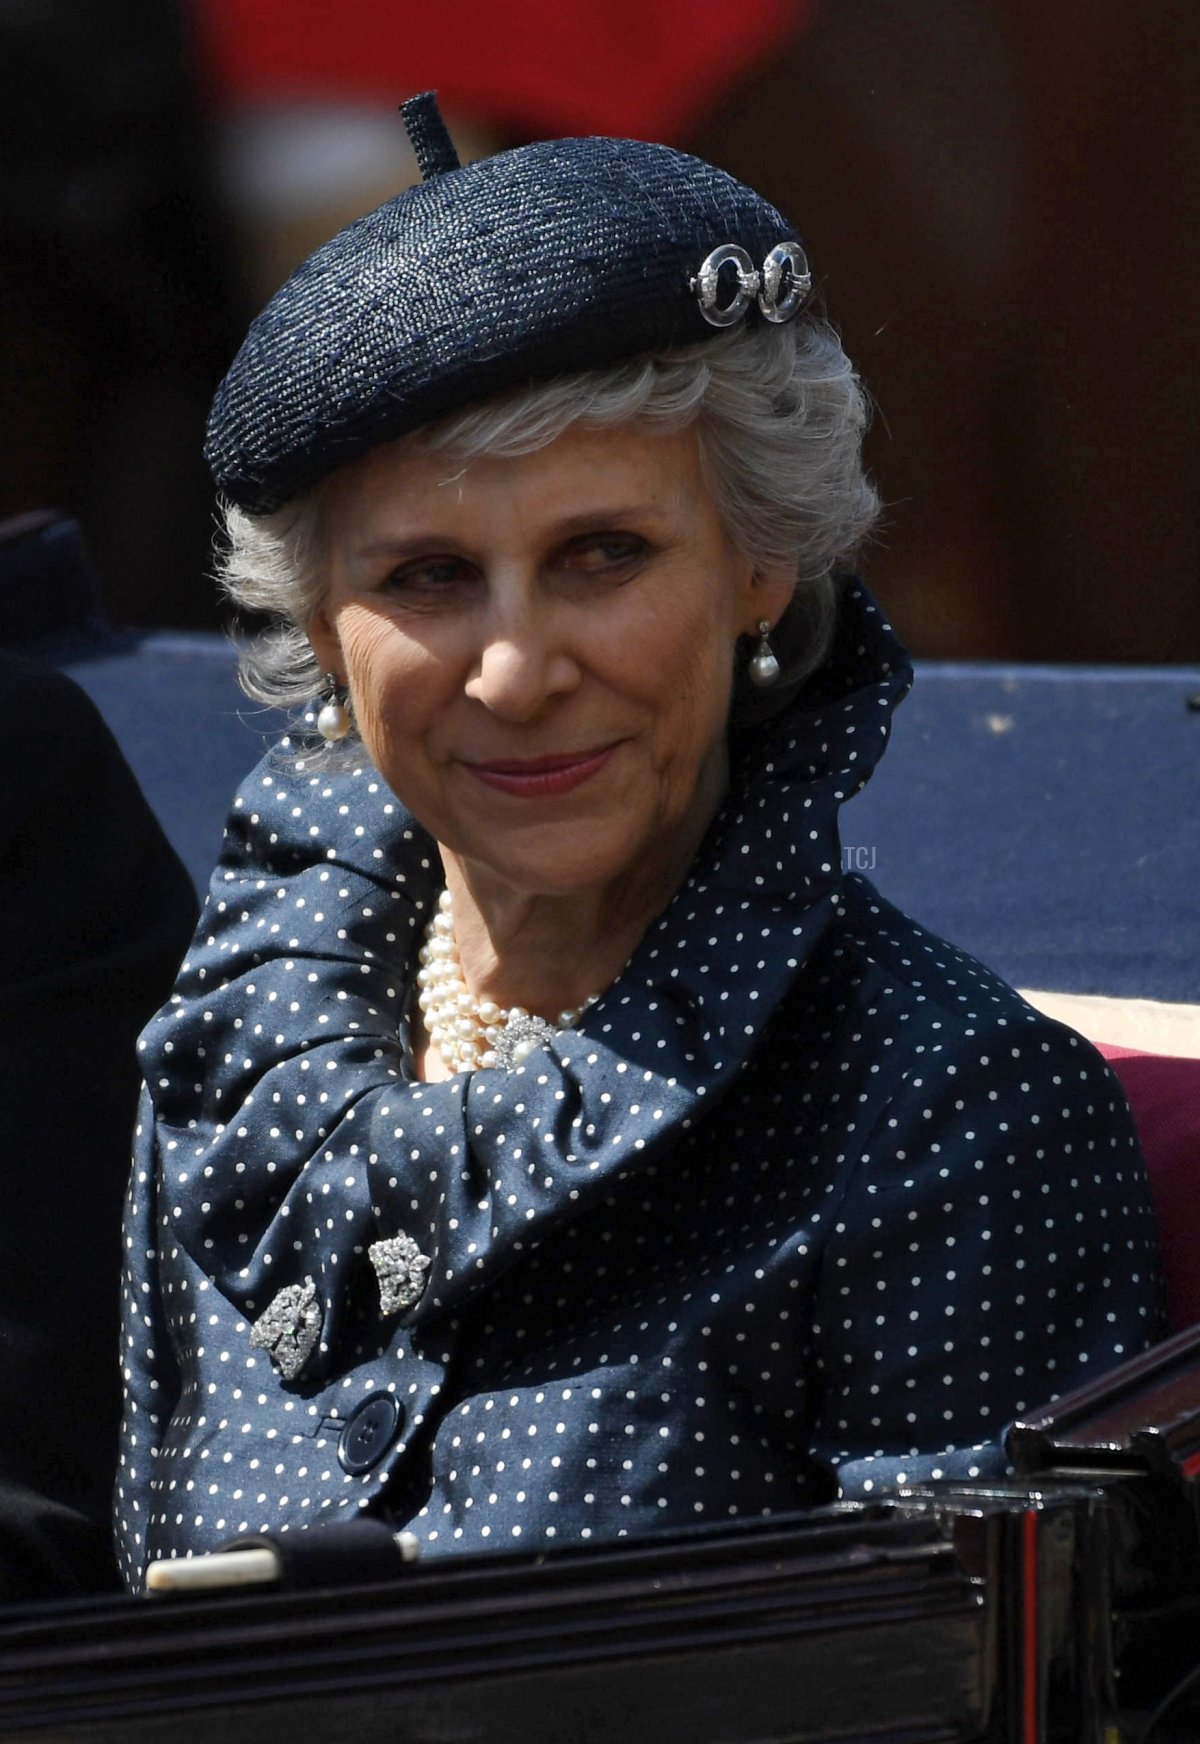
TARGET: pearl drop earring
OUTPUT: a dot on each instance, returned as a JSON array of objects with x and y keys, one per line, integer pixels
[
  {"x": 764, "y": 668},
  {"x": 333, "y": 719}
]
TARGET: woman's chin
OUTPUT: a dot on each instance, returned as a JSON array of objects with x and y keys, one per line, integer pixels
[
  {"x": 565, "y": 861},
  {"x": 560, "y": 880}
]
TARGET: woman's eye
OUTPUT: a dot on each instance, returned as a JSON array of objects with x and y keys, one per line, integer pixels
[
  {"x": 429, "y": 576},
  {"x": 601, "y": 552}
]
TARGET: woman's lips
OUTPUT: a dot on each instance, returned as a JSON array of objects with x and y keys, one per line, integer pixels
[{"x": 539, "y": 777}]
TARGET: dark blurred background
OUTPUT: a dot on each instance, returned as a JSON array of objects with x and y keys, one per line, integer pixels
[{"x": 998, "y": 195}]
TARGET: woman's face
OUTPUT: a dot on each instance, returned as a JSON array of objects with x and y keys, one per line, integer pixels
[{"x": 540, "y": 649}]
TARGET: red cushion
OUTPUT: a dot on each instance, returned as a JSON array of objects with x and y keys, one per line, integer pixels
[{"x": 1164, "y": 1094}]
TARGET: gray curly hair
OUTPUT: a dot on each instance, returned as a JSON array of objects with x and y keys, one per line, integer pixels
[{"x": 780, "y": 415}]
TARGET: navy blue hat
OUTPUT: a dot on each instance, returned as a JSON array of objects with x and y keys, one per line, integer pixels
[{"x": 565, "y": 255}]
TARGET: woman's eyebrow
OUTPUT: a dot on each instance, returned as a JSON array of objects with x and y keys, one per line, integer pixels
[
  {"x": 443, "y": 538},
  {"x": 591, "y": 520},
  {"x": 407, "y": 545}
]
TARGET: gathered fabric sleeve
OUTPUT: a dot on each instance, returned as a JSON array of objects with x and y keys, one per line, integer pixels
[{"x": 995, "y": 1246}]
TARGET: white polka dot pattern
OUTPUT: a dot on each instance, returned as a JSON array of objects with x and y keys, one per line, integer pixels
[{"x": 807, "y": 1193}]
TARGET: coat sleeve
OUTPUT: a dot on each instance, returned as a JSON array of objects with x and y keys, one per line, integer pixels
[
  {"x": 995, "y": 1247},
  {"x": 148, "y": 1367}
]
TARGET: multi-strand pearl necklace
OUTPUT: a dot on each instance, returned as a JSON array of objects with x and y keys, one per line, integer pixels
[{"x": 469, "y": 1032}]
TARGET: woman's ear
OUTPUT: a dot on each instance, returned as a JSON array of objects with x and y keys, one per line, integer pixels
[
  {"x": 769, "y": 595},
  {"x": 323, "y": 640}
]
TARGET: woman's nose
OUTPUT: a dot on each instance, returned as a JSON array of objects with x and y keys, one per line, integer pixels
[{"x": 521, "y": 665}]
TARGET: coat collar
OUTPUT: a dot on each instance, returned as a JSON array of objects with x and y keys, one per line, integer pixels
[
  {"x": 307, "y": 946},
  {"x": 838, "y": 724}
]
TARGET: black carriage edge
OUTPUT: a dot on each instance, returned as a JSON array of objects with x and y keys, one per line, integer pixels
[{"x": 1057, "y": 1607}]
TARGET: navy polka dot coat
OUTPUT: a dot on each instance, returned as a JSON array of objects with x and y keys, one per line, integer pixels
[{"x": 808, "y": 1199}]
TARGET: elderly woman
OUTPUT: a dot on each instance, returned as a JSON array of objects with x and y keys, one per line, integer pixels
[{"x": 545, "y": 1140}]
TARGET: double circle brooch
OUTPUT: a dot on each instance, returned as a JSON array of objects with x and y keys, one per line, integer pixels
[{"x": 780, "y": 288}]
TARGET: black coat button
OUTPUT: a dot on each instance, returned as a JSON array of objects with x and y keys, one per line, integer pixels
[{"x": 369, "y": 1431}]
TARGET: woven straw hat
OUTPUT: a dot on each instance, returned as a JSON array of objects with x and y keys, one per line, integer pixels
[{"x": 560, "y": 256}]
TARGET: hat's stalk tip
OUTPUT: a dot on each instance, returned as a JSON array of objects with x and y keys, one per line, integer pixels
[{"x": 428, "y": 135}]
